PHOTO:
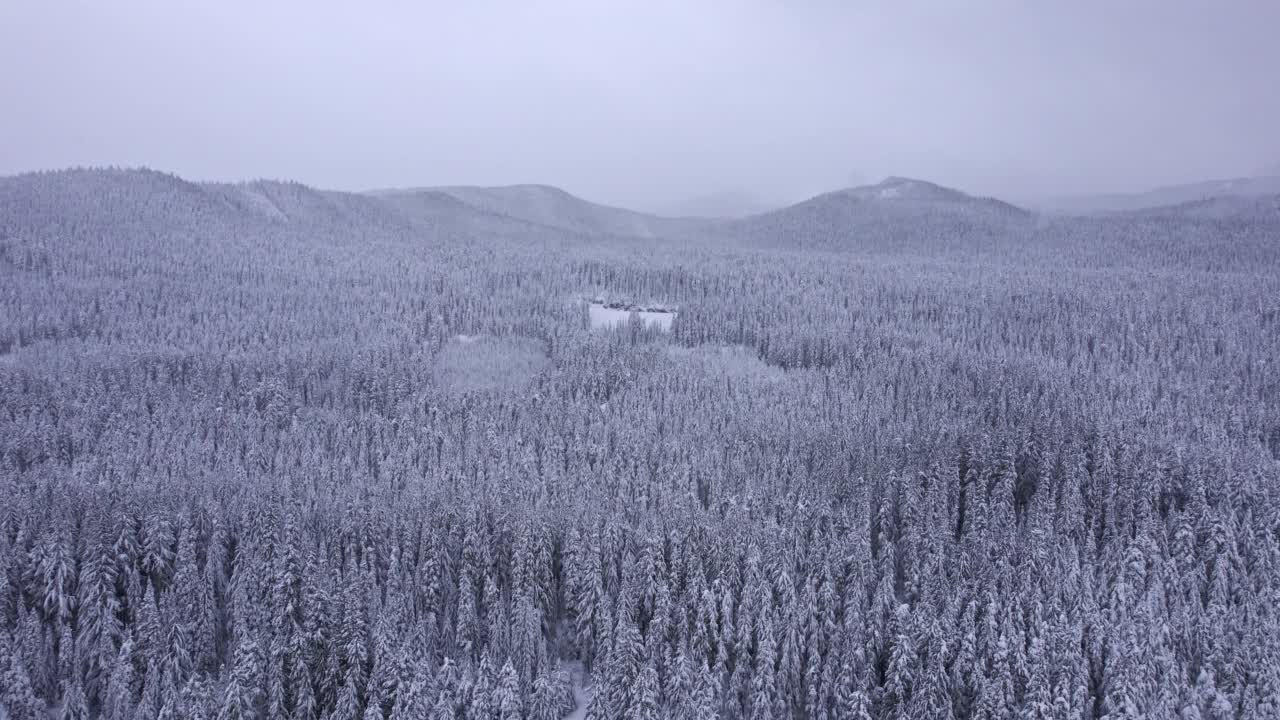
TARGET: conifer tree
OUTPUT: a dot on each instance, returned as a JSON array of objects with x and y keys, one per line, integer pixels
[{"x": 241, "y": 698}]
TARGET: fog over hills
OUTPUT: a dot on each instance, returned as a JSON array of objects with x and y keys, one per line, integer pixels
[
  {"x": 554, "y": 207},
  {"x": 723, "y": 205},
  {"x": 1244, "y": 187},
  {"x": 1260, "y": 208}
]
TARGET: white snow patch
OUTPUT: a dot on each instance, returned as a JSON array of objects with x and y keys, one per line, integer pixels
[
  {"x": 581, "y": 693},
  {"x": 890, "y": 192},
  {"x": 263, "y": 204},
  {"x": 606, "y": 317}
]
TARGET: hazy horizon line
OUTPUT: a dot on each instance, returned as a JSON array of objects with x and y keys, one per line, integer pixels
[{"x": 1029, "y": 201}]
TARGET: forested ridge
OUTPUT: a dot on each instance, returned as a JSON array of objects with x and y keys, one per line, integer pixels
[{"x": 272, "y": 452}]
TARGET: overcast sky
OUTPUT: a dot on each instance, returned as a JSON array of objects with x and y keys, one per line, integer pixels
[{"x": 643, "y": 102}]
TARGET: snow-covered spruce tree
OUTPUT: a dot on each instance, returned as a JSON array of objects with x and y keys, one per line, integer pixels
[{"x": 242, "y": 696}]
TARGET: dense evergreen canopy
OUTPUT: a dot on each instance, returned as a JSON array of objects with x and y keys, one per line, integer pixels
[{"x": 270, "y": 452}]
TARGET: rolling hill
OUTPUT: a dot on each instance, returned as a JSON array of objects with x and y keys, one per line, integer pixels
[
  {"x": 141, "y": 205},
  {"x": 898, "y": 213},
  {"x": 154, "y": 212},
  {"x": 723, "y": 206},
  {"x": 555, "y": 208},
  {"x": 1252, "y": 208},
  {"x": 1164, "y": 196}
]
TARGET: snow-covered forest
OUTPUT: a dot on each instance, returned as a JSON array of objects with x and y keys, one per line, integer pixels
[{"x": 273, "y": 452}]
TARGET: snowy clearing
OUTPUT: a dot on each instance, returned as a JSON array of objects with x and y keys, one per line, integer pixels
[
  {"x": 471, "y": 363},
  {"x": 603, "y": 317}
]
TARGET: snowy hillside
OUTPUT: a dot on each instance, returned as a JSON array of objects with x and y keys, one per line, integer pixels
[{"x": 555, "y": 208}]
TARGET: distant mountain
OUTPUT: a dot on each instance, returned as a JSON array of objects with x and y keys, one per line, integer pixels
[
  {"x": 130, "y": 207},
  {"x": 1258, "y": 208},
  {"x": 552, "y": 207},
  {"x": 897, "y": 213},
  {"x": 1165, "y": 196},
  {"x": 261, "y": 226},
  {"x": 725, "y": 205}
]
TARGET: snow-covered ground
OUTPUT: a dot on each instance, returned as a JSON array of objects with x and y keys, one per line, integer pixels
[
  {"x": 606, "y": 317},
  {"x": 581, "y": 693}
]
